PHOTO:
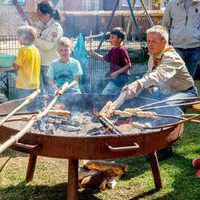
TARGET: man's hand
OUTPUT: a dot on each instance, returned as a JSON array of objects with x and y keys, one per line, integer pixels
[{"x": 132, "y": 89}]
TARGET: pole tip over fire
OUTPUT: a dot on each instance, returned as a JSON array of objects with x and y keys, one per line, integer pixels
[{"x": 32, "y": 96}]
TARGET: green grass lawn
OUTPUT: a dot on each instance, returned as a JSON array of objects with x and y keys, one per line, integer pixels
[{"x": 50, "y": 179}]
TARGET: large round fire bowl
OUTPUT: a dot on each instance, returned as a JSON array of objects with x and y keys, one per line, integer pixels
[{"x": 75, "y": 147}]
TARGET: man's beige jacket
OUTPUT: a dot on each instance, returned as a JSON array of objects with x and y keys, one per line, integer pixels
[
  {"x": 184, "y": 28},
  {"x": 169, "y": 74}
]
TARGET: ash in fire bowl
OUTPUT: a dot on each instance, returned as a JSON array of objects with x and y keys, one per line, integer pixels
[
  {"x": 83, "y": 121},
  {"x": 78, "y": 124},
  {"x": 88, "y": 124}
]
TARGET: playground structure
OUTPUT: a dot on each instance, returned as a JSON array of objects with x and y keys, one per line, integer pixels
[{"x": 96, "y": 70}]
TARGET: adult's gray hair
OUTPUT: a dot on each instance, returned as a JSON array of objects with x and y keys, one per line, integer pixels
[{"x": 161, "y": 30}]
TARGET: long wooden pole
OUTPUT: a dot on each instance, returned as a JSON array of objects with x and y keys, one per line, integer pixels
[
  {"x": 171, "y": 105},
  {"x": 21, "y": 133},
  {"x": 190, "y": 119},
  {"x": 28, "y": 99},
  {"x": 170, "y": 100}
]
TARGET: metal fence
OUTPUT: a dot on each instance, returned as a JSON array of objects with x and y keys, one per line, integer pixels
[
  {"x": 9, "y": 44},
  {"x": 94, "y": 73}
]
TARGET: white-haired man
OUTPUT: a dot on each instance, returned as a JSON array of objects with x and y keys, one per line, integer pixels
[
  {"x": 166, "y": 70},
  {"x": 167, "y": 74}
]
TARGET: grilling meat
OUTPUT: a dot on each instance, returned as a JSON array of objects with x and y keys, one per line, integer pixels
[
  {"x": 136, "y": 112},
  {"x": 123, "y": 113},
  {"x": 132, "y": 110}
]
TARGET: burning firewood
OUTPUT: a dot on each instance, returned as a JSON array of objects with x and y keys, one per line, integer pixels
[
  {"x": 101, "y": 174},
  {"x": 109, "y": 126},
  {"x": 103, "y": 185},
  {"x": 60, "y": 106},
  {"x": 64, "y": 113},
  {"x": 128, "y": 128},
  {"x": 101, "y": 165},
  {"x": 23, "y": 118},
  {"x": 93, "y": 178},
  {"x": 111, "y": 183}
]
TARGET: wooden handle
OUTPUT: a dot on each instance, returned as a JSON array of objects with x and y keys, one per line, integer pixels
[
  {"x": 32, "y": 96},
  {"x": 120, "y": 100},
  {"x": 63, "y": 88},
  {"x": 28, "y": 99},
  {"x": 121, "y": 149}
]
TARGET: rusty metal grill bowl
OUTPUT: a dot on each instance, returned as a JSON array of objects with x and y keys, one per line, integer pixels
[{"x": 92, "y": 147}]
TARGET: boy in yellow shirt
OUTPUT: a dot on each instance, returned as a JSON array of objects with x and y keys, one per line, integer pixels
[{"x": 27, "y": 63}]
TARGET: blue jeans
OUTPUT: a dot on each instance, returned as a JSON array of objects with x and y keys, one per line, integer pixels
[
  {"x": 157, "y": 94},
  {"x": 111, "y": 89},
  {"x": 44, "y": 84},
  {"x": 191, "y": 57},
  {"x": 115, "y": 86}
]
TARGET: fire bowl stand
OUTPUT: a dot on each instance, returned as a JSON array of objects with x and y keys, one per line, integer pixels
[{"x": 72, "y": 187}]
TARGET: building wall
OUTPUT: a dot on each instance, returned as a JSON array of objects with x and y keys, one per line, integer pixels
[
  {"x": 73, "y": 22},
  {"x": 73, "y": 5},
  {"x": 10, "y": 19},
  {"x": 109, "y": 5},
  {"x": 77, "y": 22}
]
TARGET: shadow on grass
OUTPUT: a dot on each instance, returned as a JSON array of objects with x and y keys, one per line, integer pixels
[
  {"x": 10, "y": 154},
  {"x": 145, "y": 194},
  {"x": 24, "y": 191},
  {"x": 185, "y": 185},
  {"x": 13, "y": 153},
  {"x": 136, "y": 166}
]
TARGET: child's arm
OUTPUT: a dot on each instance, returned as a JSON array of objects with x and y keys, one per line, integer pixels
[
  {"x": 96, "y": 55},
  {"x": 52, "y": 84},
  {"x": 120, "y": 71},
  {"x": 15, "y": 66},
  {"x": 10, "y": 69}
]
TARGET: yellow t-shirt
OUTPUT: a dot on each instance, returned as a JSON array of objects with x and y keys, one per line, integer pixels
[{"x": 28, "y": 60}]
